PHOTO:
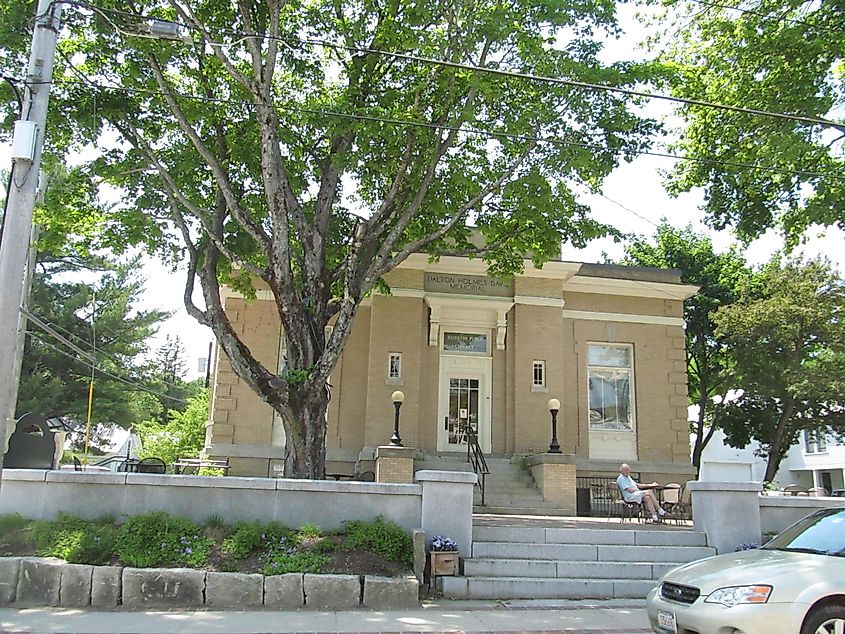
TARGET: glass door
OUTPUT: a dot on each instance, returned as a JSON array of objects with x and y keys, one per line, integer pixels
[{"x": 463, "y": 410}]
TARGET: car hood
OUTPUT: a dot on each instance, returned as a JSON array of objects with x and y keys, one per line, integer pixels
[{"x": 741, "y": 568}]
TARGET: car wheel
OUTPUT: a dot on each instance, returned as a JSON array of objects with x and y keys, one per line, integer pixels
[{"x": 827, "y": 620}]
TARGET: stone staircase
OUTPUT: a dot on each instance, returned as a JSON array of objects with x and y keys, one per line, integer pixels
[
  {"x": 509, "y": 487},
  {"x": 557, "y": 558},
  {"x": 510, "y": 490}
]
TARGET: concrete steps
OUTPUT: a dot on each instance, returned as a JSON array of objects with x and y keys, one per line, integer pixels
[
  {"x": 509, "y": 489},
  {"x": 549, "y": 558}
]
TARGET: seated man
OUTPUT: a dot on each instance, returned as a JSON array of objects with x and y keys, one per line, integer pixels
[{"x": 633, "y": 492}]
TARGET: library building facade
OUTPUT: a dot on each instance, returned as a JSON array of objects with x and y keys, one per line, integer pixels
[{"x": 477, "y": 356}]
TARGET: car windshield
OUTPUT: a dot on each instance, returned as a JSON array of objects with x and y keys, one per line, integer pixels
[{"x": 821, "y": 533}]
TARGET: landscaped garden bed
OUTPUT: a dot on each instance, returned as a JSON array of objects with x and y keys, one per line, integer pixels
[{"x": 157, "y": 560}]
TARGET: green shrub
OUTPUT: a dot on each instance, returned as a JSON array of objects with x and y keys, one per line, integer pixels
[
  {"x": 382, "y": 536},
  {"x": 75, "y": 539},
  {"x": 292, "y": 560},
  {"x": 210, "y": 471},
  {"x": 156, "y": 539},
  {"x": 309, "y": 530},
  {"x": 249, "y": 537},
  {"x": 244, "y": 538},
  {"x": 12, "y": 522}
]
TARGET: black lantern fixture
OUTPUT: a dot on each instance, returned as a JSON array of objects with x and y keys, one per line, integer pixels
[
  {"x": 397, "y": 398},
  {"x": 554, "y": 407}
]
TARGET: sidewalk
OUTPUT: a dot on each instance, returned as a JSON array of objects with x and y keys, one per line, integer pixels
[{"x": 574, "y": 617}]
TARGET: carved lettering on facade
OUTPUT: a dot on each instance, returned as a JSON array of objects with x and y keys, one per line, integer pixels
[{"x": 467, "y": 285}]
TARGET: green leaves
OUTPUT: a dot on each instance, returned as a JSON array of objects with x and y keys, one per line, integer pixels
[
  {"x": 787, "y": 337},
  {"x": 778, "y": 57}
]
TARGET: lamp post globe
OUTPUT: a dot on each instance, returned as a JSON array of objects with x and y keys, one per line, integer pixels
[
  {"x": 554, "y": 408},
  {"x": 397, "y": 397}
]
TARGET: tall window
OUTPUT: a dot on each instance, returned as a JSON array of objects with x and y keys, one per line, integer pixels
[
  {"x": 814, "y": 442},
  {"x": 538, "y": 379},
  {"x": 394, "y": 365},
  {"x": 610, "y": 375}
]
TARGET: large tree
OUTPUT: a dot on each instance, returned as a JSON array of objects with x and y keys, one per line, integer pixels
[
  {"x": 718, "y": 276},
  {"x": 311, "y": 147},
  {"x": 786, "y": 334},
  {"x": 758, "y": 171}
]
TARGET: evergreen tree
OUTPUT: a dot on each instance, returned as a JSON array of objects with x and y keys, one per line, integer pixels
[{"x": 100, "y": 319}]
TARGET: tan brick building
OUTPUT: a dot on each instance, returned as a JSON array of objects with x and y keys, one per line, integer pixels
[{"x": 470, "y": 351}]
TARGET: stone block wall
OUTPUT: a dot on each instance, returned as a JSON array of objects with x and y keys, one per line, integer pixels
[{"x": 33, "y": 581}]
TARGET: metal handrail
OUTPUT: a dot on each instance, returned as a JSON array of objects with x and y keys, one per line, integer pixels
[{"x": 476, "y": 458}]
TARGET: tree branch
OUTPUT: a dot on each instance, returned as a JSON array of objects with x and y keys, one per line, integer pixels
[{"x": 239, "y": 213}]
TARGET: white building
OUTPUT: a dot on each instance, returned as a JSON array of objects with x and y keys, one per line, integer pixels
[{"x": 816, "y": 461}]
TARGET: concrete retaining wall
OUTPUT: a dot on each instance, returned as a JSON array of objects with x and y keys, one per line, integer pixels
[
  {"x": 733, "y": 513},
  {"x": 35, "y": 581},
  {"x": 38, "y": 494},
  {"x": 779, "y": 512}
]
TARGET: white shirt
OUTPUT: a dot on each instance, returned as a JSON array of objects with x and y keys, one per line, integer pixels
[{"x": 625, "y": 482}]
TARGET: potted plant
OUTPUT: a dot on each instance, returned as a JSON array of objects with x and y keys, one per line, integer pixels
[{"x": 444, "y": 555}]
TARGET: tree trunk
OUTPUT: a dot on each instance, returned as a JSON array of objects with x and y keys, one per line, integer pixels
[
  {"x": 776, "y": 446},
  {"x": 304, "y": 422}
]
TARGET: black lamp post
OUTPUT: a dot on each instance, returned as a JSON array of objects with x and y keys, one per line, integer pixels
[
  {"x": 554, "y": 407},
  {"x": 397, "y": 397}
]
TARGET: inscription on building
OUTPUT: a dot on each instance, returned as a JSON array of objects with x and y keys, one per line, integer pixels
[{"x": 467, "y": 285}]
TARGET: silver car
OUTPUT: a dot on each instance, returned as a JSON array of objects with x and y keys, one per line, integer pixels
[{"x": 795, "y": 584}]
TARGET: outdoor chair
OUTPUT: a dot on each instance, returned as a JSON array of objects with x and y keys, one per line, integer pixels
[
  {"x": 152, "y": 465},
  {"x": 599, "y": 497},
  {"x": 683, "y": 509},
  {"x": 671, "y": 500},
  {"x": 77, "y": 465},
  {"x": 628, "y": 510},
  {"x": 795, "y": 489}
]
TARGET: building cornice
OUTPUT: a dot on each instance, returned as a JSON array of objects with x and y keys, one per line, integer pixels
[
  {"x": 635, "y": 288},
  {"x": 455, "y": 264},
  {"x": 589, "y": 315}
]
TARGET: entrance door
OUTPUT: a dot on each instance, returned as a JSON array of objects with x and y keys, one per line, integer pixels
[
  {"x": 464, "y": 403},
  {"x": 463, "y": 411}
]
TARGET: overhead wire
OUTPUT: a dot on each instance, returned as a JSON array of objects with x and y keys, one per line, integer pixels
[
  {"x": 472, "y": 131},
  {"x": 87, "y": 357},
  {"x": 100, "y": 351},
  {"x": 134, "y": 386},
  {"x": 455, "y": 65},
  {"x": 772, "y": 17}
]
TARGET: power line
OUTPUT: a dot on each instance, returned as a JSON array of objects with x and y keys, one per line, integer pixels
[
  {"x": 134, "y": 386},
  {"x": 772, "y": 17},
  {"x": 101, "y": 352},
  {"x": 473, "y": 131},
  {"x": 628, "y": 209},
  {"x": 87, "y": 356},
  {"x": 468, "y": 67}
]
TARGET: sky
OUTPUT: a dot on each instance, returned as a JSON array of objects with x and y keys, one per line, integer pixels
[{"x": 640, "y": 204}]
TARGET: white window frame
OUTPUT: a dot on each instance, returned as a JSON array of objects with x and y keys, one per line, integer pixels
[
  {"x": 394, "y": 377},
  {"x": 814, "y": 442},
  {"x": 538, "y": 365},
  {"x": 613, "y": 426}
]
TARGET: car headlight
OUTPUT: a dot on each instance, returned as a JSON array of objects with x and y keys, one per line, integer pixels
[{"x": 737, "y": 595}]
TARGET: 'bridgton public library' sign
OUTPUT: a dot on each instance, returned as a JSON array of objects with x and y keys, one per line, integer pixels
[{"x": 467, "y": 285}]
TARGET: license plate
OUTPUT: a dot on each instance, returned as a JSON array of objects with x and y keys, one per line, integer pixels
[{"x": 666, "y": 621}]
